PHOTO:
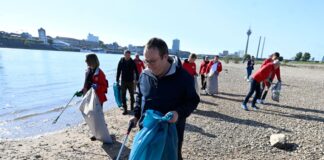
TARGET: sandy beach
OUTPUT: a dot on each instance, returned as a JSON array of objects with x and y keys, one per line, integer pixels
[{"x": 218, "y": 129}]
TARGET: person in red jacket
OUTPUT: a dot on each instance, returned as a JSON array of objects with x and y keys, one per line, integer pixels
[
  {"x": 213, "y": 69},
  {"x": 189, "y": 64},
  {"x": 139, "y": 64},
  {"x": 95, "y": 78},
  {"x": 262, "y": 75},
  {"x": 203, "y": 72},
  {"x": 266, "y": 85}
]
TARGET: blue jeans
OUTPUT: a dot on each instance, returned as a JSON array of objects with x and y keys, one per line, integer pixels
[{"x": 249, "y": 72}]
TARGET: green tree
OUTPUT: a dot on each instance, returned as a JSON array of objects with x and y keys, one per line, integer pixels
[
  {"x": 306, "y": 56},
  {"x": 298, "y": 56}
]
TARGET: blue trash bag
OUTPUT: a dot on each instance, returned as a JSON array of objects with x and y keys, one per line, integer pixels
[
  {"x": 117, "y": 94},
  {"x": 157, "y": 140}
]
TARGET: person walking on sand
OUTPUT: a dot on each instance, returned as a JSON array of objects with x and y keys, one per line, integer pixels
[
  {"x": 203, "y": 72},
  {"x": 249, "y": 68},
  {"x": 126, "y": 68},
  {"x": 94, "y": 78},
  {"x": 262, "y": 75},
  {"x": 139, "y": 66},
  {"x": 190, "y": 66},
  {"x": 213, "y": 69},
  {"x": 165, "y": 87},
  {"x": 266, "y": 85}
]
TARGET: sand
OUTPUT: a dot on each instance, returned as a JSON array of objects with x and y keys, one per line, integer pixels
[{"x": 218, "y": 129}]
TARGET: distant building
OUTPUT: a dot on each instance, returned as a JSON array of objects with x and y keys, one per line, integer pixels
[
  {"x": 323, "y": 59},
  {"x": 26, "y": 35},
  {"x": 42, "y": 35},
  {"x": 58, "y": 43},
  {"x": 176, "y": 46},
  {"x": 137, "y": 49},
  {"x": 76, "y": 43},
  {"x": 92, "y": 38},
  {"x": 225, "y": 53}
]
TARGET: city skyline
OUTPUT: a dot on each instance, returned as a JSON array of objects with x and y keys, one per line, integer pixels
[{"x": 204, "y": 28}]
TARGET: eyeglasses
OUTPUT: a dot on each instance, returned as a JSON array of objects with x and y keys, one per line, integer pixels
[{"x": 150, "y": 61}]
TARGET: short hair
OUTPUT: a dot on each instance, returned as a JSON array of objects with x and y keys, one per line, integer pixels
[
  {"x": 127, "y": 51},
  {"x": 92, "y": 60},
  {"x": 159, "y": 44},
  {"x": 277, "y": 54},
  {"x": 193, "y": 56},
  {"x": 217, "y": 56}
]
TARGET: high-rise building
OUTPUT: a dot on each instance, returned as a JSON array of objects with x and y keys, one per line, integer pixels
[
  {"x": 176, "y": 45},
  {"x": 92, "y": 38},
  {"x": 323, "y": 59},
  {"x": 42, "y": 35}
]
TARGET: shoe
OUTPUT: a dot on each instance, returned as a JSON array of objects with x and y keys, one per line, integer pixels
[
  {"x": 255, "y": 107},
  {"x": 244, "y": 106},
  {"x": 125, "y": 112},
  {"x": 259, "y": 101},
  {"x": 93, "y": 138}
]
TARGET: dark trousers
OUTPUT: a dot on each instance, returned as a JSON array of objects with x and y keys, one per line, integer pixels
[
  {"x": 255, "y": 86},
  {"x": 264, "y": 93},
  {"x": 130, "y": 87},
  {"x": 203, "y": 81},
  {"x": 181, "y": 124},
  {"x": 249, "y": 72}
]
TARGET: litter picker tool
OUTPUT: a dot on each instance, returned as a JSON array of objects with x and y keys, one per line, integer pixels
[
  {"x": 131, "y": 125},
  {"x": 63, "y": 110}
]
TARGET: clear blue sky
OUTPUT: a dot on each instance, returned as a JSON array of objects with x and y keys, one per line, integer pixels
[{"x": 206, "y": 26}]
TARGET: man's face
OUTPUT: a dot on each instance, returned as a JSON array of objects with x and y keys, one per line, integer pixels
[
  {"x": 154, "y": 62},
  {"x": 127, "y": 56},
  {"x": 274, "y": 57},
  {"x": 215, "y": 59}
]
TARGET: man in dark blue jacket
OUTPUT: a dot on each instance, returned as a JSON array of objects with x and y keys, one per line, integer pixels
[{"x": 165, "y": 87}]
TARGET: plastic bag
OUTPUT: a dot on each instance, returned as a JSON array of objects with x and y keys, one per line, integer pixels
[
  {"x": 157, "y": 139},
  {"x": 91, "y": 110},
  {"x": 276, "y": 92}
]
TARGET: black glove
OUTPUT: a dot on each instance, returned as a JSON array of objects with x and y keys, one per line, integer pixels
[{"x": 78, "y": 93}]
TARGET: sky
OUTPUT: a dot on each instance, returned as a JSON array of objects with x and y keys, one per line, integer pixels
[{"x": 202, "y": 26}]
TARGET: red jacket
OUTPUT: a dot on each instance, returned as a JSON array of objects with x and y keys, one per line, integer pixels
[
  {"x": 277, "y": 71},
  {"x": 139, "y": 65},
  {"x": 98, "y": 78},
  {"x": 203, "y": 67},
  {"x": 264, "y": 73},
  {"x": 189, "y": 67},
  {"x": 210, "y": 64}
]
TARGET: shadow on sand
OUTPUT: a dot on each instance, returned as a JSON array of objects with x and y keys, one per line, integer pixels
[
  {"x": 296, "y": 116},
  {"x": 113, "y": 149},
  {"x": 231, "y": 94},
  {"x": 230, "y": 119},
  {"x": 296, "y": 108},
  {"x": 193, "y": 128},
  {"x": 208, "y": 102}
]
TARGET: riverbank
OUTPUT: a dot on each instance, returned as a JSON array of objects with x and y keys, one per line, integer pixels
[{"x": 218, "y": 129}]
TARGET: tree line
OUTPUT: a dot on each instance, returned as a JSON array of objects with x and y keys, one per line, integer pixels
[{"x": 302, "y": 56}]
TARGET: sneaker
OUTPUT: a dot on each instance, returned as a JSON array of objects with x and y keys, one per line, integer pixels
[
  {"x": 244, "y": 106},
  {"x": 125, "y": 112},
  {"x": 255, "y": 107},
  {"x": 259, "y": 101}
]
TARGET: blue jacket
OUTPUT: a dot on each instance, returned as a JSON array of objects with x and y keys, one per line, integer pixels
[{"x": 173, "y": 92}]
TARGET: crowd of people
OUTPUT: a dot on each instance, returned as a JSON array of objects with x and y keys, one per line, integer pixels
[{"x": 163, "y": 83}]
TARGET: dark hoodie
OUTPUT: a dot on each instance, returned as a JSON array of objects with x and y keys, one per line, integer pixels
[{"x": 173, "y": 92}]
